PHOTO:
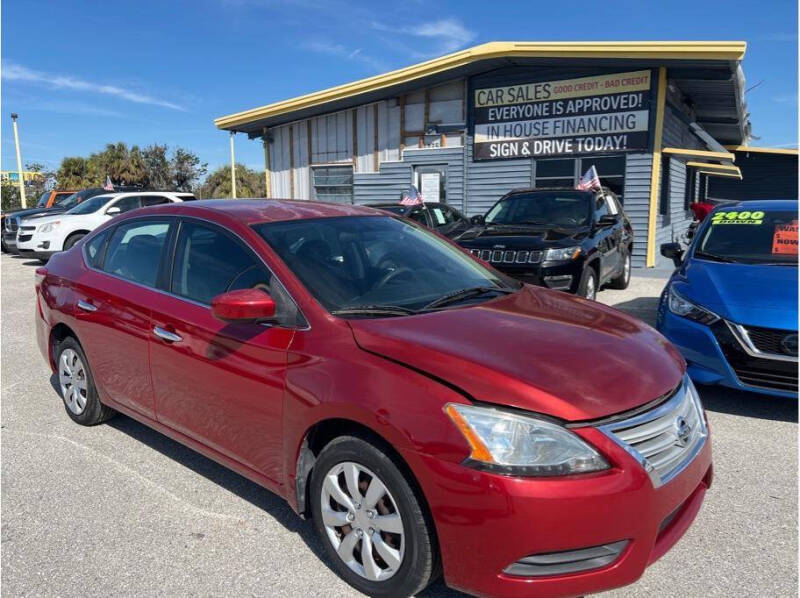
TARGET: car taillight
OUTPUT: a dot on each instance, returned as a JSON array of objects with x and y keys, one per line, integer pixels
[{"x": 41, "y": 274}]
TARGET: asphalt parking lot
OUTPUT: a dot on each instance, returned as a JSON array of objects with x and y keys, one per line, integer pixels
[{"x": 119, "y": 509}]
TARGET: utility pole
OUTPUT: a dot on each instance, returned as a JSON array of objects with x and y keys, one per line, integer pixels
[
  {"x": 233, "y": 169},
  {"x": 19, "y": 162}
]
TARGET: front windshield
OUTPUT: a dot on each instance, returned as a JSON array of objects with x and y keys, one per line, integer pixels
[
  {"x": 42, "y": 203},
  {"x": 754, "y": 237},
  {"x": 558, "y": 208},
  {"x": 374, "y": 261},
  {"x": 90, "y": 205}
]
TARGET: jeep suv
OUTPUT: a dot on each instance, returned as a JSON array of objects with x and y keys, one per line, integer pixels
[{"x": 563, "y": 239}]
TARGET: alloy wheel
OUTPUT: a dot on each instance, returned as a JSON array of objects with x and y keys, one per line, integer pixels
[
  {"x": 591, "y": 290},
  {"x": 626, "y": 268},
  {"x": 73, "y": 381},
  {"x": 362, "y": 521}
]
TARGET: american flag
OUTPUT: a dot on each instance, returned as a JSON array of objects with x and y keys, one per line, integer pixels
[
  {"x": 589, "y": 181},
  {"x": 410, "y": 197},
  {"x": 109, "y": 186}
]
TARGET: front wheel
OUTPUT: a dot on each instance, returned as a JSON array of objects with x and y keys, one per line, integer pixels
[
  {"x": 371, "y": 523},
  {"x": 72, "y": 239},
  {"x": 587, "y": 287},
  {"x": 624, "y": 279}
]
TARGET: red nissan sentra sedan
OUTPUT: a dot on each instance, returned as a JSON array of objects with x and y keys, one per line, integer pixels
[{"x": 429, "y": 414}]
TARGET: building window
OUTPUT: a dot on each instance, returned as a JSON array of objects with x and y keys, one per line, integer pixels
[
  {"x": 333, "y": 183},
  {"x": 555, "y": 173},
  {"x": 567, "y": 172}
]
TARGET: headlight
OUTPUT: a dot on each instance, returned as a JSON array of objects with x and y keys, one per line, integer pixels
[
  {"x": 516, "y": 444},
  {"x": 681, "y": 306},
  {"x": 49, "y": 226},
  {"x": 561, "y": 255}
]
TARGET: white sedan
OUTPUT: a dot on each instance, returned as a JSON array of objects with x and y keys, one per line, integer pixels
[{"x": 43, "y": 236}]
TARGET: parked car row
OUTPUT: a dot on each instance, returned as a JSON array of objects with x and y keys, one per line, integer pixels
[{"x": 39, "y": 233}]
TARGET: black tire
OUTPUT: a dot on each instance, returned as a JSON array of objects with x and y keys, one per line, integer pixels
[
  {"x": 624, "y": 279},
  {"x": 72, "y": 239},
  {"x": 587, "y": 287},
  {"x": 420, "y": 561},
  {"x": 94, "y": 412},
  {"x": 3, "y": 247}
]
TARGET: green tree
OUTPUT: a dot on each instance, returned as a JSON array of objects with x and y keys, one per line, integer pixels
[
  {"x": 249, "y": 183},
  {"x": 158, "y": 168},
  {"x": 187, "y": 169},
  {"x": 124, "y": 166},
  {"x": 74, "y": 173}
]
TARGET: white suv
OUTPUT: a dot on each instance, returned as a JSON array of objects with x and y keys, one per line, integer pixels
[{"x": 41, "y": 237}]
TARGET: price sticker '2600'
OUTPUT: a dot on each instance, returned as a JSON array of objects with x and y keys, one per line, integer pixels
[{"x": 744, "y": 217}]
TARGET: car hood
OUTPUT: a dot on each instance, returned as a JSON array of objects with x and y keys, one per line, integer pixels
[
  {"x": 34, "y": 212},
  {"x": 744, "y": 293},
  {"x": 521, "y": 237},
  {"x": 38, "y": 219},
  {"x": 538, "y": 350}
]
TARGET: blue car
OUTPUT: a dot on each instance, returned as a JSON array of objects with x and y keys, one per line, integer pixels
[{"x": 730, "y": 307}]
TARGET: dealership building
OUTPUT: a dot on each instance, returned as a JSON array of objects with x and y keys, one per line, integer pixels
[{"x": 654, "y": 118}]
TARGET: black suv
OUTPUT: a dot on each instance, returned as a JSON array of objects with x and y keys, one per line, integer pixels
[{"x": 576, "y": 241}]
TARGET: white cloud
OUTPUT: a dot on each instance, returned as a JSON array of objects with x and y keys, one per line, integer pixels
[
  {"x": 341, "y": 51},
  {"x": 16, "y": 72},
  {"x": 447, "y": 35},
  {"x": 785, "y": 98}
]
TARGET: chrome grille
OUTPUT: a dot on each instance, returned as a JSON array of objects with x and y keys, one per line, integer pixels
[
  {"x": 770, "y": 340},
  {"x": 12, "y": 224},
  {"x": 508, "y": 256},
  {"x": 665, "y": 439},
  {"x": 27, "y": 228}
]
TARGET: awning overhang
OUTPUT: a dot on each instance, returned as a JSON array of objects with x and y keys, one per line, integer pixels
[
  {"x": 708, "y": 72},
  {"x": 730, "y": 175},
  {"x": 725, "y": 157},
  {"x": 762, "y": 150},
  {"x": 714, "y": 167}
]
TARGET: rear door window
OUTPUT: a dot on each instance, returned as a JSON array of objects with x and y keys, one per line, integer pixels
[
  {"x": 209, "y": 262},
  {"x": 135, "y": 249},
  {"x": 153, "y": 200},
  {"x": 126, "y": 204}
]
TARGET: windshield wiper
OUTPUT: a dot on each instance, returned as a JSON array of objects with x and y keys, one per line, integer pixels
[
  {"x": 714, "y": 257},
  {"x": 462, "y": 294},
  {"x": 373, "y": 310}
]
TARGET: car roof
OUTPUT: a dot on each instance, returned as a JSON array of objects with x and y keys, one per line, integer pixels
[
  {"x": 251, "y": 211},
  {"x": 761, "y": 204}
]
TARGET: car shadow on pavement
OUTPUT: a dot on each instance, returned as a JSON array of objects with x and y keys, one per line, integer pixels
[
  {"x": 721, "y": 399},
  {"x": 643, "y": 308},
  {"x": 275, "y": 506}
]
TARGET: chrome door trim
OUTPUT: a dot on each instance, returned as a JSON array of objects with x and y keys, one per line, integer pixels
[
  {"x": 85, "y": 306},
  {"x": 166, "y": 335}
]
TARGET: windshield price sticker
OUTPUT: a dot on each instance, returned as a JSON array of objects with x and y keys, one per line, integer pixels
[
  {"x": 744, "y": 217},
  {"x": 784, "y": 241}
]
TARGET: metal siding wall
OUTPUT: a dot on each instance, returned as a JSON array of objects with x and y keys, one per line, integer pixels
[
  {"x": 637, "y": 202},
  {"x": 385, "y": 186},
  {"x": 365, "y": 124},
  {"x": 677, "y": 132},
  {"x": 302, "y": 183},
  {"x": 764, "y": 176},
  {"x": 489, "y": 180},
  {"x": 279, "y": 158},
  {"x": 453, "y": 157}
]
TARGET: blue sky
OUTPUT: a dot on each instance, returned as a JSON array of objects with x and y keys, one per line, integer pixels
[{"x": 83, "y": 73}]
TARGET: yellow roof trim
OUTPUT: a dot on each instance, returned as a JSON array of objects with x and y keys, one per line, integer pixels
[
  {"x": 663, "y": 50},
  {"x": 714, "y": 167},
  {"x": 690, "y": 153},
  {"x": 730, "y": 175},
  {"x": 762, "y": 150}
]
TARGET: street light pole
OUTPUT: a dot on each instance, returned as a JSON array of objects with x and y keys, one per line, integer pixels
[
  {"x": 233, "y": 169},
  {"x": 19, "y": 162}
]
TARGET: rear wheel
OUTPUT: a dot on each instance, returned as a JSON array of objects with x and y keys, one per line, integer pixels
[
  {"x": 587, "y": 287},
  {"x": 624, "y": 279},
  {"x": 72, "y": 239},
  {"x": 77, "y": 385},
  {"x": 370, "y": 521}
]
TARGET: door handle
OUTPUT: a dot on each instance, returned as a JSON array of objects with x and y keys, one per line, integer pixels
[
  {"x": 166, "y": 335},
  {"x": 86, "y": 306}
]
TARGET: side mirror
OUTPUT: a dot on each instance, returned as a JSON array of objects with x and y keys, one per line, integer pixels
[
  {"x": 673, "y": 251},
  {"x": 243, "y": 305},
  {"x": 112, "y": 211},
  {"x": 479, "y": 219}
]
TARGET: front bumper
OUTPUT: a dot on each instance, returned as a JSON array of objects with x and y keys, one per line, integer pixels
[
  {"x": 35, "y": 245},
  {"x": 10, "y": 241},
  {"x": 706, "y": 359},
  {"x": 486, "y": 522},
  {"x": 560, "y": 276}
]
